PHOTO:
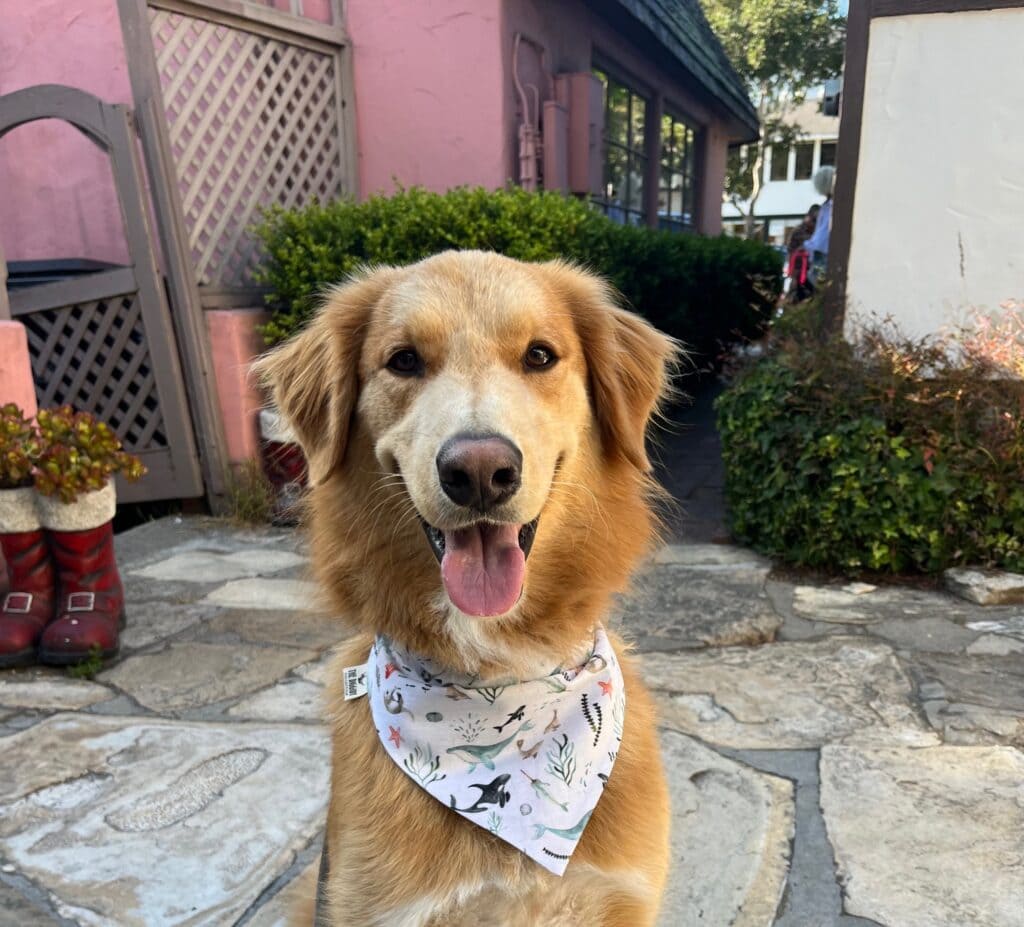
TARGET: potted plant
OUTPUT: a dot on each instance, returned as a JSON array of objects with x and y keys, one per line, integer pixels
[
  {"x": 28, "y": 604},
  {"x": 69, "y": 586}
]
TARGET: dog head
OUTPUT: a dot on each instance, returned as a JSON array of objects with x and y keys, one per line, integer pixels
[{"x": 479, "y": 424}]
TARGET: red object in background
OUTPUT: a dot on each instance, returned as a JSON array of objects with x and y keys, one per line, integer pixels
[{"x": 284, "y": 465}]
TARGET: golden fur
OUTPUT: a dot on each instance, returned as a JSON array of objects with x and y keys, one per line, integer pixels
[{"x": 397, "y": 856}]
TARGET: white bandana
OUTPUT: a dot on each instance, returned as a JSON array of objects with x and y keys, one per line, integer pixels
[{"x": 528, "y": 761}]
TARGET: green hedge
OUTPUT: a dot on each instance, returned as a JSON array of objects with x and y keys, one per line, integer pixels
[
  {"x": 704, "y": 291},
  {"x": 887, "y": 456}
]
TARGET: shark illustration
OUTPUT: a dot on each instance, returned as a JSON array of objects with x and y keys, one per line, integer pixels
[
  {"x": 484, "y": 754},
  {"x": 541, "y": 788},
  {"x": 516, "y": 715},
  {"x": 568, "y": 833},
  {"x": 491, "y": 794}
]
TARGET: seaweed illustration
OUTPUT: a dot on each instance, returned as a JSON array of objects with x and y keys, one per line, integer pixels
[
  {"x": 562, "y": 759},
  {"x": 490, "y": 693},
  {"x": 470, "y": 729},
  {"x": 423, "y": 764},
  {"x": 494, "y": 822},
  {"x": 590, "y": 712}
]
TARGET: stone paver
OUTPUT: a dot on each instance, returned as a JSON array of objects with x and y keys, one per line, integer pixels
[
  {"x": 273, "y": 594},
  {"x": 53, "y": 693},
  {"x": 288, "y": 628},
  {"x": 289, "y": 700},
  {"x": 986, "y": 587},
  {"x": 203, "y": 566},
  {"x": 154, "y": 620},
  {"x": 191, "y": 675},
  {"x": 699, "y": 600},
  {"x": 145, "y": 822},
  {"x": 731, "y": 832},
  {"x": 788, "y": 695},
  {"x": 928, "y": 838}
]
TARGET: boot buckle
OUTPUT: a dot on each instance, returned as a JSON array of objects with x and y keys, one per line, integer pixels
[
  {"x": 81, "y": 602},
  {"x": 23, "y": 598}
]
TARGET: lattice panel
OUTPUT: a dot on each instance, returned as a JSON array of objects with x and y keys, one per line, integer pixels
[
  {"x": 254, "y": 121},
  {"x": 93, "y": 356}
]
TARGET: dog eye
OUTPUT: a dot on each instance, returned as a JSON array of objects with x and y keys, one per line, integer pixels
[
  {"x": 406, "y": 363},
  {"x": 538, "y": 357}
]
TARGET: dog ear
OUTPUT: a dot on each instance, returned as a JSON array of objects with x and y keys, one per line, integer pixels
[
  {"x": 629, "y": 363},
  {"x": 313, "y": 378}
]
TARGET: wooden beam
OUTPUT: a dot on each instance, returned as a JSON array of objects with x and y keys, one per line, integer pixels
[{"x": 858, "y": 26}]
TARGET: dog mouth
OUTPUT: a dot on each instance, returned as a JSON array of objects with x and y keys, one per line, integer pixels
[{"x": 483, "y": 565}]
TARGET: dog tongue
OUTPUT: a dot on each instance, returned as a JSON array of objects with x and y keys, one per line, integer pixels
[{"x": 483, "y": 568}]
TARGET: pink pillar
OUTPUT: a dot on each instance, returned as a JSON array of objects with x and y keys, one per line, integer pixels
[
  {"x": 16, "y": 369},
  {"x": 234, "y": 344}
]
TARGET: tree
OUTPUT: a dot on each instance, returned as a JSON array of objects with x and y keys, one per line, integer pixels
[{"x": 780, "y": 48}]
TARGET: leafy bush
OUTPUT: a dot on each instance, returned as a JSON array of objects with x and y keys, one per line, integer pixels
[
  {"x": 888, "y": 455},
  {"x": 701, "y": 290}
]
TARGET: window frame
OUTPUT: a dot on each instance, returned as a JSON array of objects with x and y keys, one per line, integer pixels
[{"x": 630, "y": 207}]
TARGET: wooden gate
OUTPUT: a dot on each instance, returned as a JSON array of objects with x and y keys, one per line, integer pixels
[
  {"x": 254, "y": 115},
  {"x": 104, "y": 343}
]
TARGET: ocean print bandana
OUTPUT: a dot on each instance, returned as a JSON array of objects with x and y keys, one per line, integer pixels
[{"x": 528, "y": 761}]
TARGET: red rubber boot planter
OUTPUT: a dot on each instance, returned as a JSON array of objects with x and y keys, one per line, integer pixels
[
  {"x": 90, "y": 610},
  {"x": 27, "y": 607}
]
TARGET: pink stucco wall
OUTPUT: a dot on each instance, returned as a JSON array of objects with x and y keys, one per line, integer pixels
[
  {"x": 58, "y": 195},
  {"x": 429, "y": 90}
]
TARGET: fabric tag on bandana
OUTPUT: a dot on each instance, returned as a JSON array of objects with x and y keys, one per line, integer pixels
[
  {"x": 526, "y": 760},
  {"x": 354, "y": 679}
]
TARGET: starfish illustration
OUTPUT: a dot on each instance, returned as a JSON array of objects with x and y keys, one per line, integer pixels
[
  {"x": 395, "y": 736},
  {"x": 389, "y": 668},
  {"x": 606, "y": 687}
]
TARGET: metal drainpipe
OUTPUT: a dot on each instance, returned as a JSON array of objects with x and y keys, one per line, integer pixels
[{"x": 530, "y": 143}]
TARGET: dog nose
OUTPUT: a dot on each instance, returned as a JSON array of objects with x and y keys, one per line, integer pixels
[{"x": 480, "y": 472}]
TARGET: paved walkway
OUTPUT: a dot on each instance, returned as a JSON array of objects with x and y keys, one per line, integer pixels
[{"x": 837, "y": 754}]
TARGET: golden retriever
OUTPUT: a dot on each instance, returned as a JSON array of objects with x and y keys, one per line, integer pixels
[{"x": 491, "y": 415}]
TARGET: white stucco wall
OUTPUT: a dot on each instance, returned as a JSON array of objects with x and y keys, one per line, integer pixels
[{"x": 938, "y": 219}]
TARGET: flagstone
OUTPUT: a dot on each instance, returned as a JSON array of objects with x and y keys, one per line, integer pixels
[
  {"x": 206, "y": 566},
  {"x": 289, "y": 700},
  {"x": 148, "y": 822},
  {"x": 731, "y": 833},
  {"x": 929, "y": 836},
  {"x": 672, "y": 605},
  {"x": 50, "y": 693},
  {"x": 986, "y": 587},
  {"x": 189, "y": 674},
  {"x": 275, "y": 594},
  {"x": 300, "y": 628},
  {"x": 788, "y": 695}
]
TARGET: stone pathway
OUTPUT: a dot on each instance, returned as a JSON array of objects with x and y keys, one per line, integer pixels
[{"x": 838, "y": 754}]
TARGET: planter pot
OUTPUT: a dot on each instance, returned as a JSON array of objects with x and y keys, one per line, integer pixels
[
  {"x": 90, "y": 608},
  {"x": 284, "y": 465},
  {"x": 28, "y": 590}
]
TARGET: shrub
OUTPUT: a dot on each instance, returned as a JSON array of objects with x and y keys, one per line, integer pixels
[
  {"x": 701, "y": 290},
  {"x": 887, "y": 455}
]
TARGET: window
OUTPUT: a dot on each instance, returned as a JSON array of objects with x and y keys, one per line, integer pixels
[
  {"x": 804, "y": 161},
  {"x": 828, "y": 154},
  {"x": 780, "y": 163},
  {"x": 676, "y": 177},
  {"x": 625, "y": 161}
]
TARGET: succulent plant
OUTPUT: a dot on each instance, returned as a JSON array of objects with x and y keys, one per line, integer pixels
[
  {"x": 78, "y": 454},
  {"x": 19, "y": 447}
]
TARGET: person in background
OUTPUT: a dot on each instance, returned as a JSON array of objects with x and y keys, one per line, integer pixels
[
  {"x": 799, "y": 265},
  {"x": 817, "y": 245}
]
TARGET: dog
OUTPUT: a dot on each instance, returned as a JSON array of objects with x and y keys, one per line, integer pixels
[{"x": 474, "y": 428}]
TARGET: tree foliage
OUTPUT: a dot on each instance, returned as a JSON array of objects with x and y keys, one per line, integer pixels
[{"x": 780, "y": 48}]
